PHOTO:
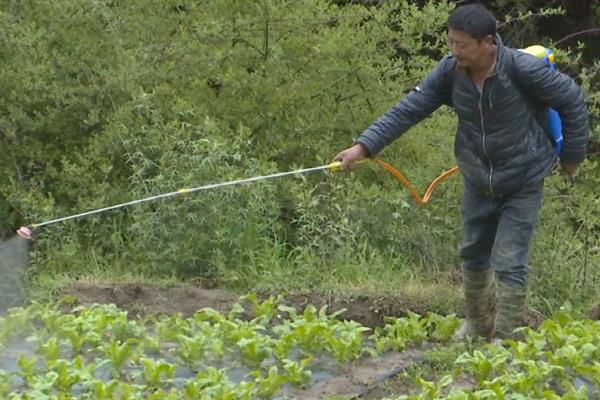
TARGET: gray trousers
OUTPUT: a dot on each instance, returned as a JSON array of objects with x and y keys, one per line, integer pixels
[{"x": 497, "y": 232}]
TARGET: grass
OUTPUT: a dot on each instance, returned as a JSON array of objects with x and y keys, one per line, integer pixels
[{"x": 45, "y": 286}]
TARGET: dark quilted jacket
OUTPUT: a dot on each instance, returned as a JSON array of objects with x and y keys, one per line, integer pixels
[{"x": 499, "y": 145}]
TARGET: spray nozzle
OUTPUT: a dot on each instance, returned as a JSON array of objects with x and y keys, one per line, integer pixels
[{"x": 26, "y": 232}]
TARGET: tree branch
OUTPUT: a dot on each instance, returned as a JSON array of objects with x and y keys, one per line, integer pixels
[{"x": 572, "y": 35}]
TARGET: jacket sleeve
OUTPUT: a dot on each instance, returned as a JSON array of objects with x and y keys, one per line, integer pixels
[
  {"x": 560, "y": 92},
  {"x": 413, "y": 108}
]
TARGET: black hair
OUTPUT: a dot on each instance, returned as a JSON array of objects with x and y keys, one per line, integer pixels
[{"x": 473, "y": 19}]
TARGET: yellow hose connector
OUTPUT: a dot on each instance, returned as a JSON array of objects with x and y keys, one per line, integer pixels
[{"x": 335, "y": 166}]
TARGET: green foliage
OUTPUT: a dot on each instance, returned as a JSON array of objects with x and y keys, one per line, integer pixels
[
  {"x": 109, "y": 101},
  {"x": 398, "y": 333},
  {"x": 166, "y": 100},
  {"x": 567, "y": 248}
]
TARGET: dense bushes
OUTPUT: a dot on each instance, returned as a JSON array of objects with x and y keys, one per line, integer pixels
[{"x": 108, "y": 101}]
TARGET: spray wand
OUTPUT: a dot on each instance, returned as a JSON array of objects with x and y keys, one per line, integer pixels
[{"x": 27, "y": 232}]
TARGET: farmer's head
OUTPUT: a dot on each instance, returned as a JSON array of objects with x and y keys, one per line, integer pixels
[{"x": 471, "y": 33}]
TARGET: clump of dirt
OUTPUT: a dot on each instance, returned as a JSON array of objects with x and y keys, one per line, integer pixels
[
  {"x": 141, "y": 299},
  {"x": 368, "y": 309}
]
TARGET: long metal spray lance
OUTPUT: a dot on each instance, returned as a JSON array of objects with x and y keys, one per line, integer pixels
[{"x": 27, "y": 232}]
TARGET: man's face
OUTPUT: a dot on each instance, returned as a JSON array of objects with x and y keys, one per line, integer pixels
[{"x": 467, "y": 50}]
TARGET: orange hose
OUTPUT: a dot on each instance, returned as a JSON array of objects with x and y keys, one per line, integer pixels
[{"x": 415, "y": 194}]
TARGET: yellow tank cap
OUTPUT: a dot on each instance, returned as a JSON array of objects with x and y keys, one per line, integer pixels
[{"x": 536, "y": 50}]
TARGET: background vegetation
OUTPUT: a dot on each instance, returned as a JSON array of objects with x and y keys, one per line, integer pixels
[{"x": 105, "y": 101}]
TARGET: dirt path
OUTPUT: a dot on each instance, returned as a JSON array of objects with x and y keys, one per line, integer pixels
[{"x": 358, "y": 379}]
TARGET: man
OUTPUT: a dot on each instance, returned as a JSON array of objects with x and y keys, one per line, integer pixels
[{"x": 502, "y": 151}]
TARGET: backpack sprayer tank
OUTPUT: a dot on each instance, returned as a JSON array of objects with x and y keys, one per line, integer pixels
[{"x": 553, "y": 119}]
